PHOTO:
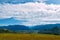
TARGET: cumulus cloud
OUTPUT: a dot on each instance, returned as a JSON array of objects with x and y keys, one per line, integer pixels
[{"x": 34, "y": 13}]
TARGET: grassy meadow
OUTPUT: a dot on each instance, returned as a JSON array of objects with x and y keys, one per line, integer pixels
[{"x": 11, "y": 36}]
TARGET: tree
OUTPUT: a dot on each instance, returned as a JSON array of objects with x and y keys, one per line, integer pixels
[{"x": 55, "y": 30}]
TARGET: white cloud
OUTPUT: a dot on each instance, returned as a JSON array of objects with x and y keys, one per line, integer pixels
[{"x": 35, "y": 13}]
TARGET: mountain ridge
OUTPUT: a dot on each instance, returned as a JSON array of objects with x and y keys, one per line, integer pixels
[{"x": 38, "y": 27}]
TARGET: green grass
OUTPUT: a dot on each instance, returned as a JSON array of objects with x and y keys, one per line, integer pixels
[{"x": 11, "y": 36}]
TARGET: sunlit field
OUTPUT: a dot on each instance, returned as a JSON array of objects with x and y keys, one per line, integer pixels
[{"x": 6, "y": 36}]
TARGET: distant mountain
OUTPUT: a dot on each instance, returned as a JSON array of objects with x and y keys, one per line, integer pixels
[
  {"x": 47, "y": 26},
  {"x": 44, "y": 29},
  {"x": 11, "y": 21},
  {"x": 16, "y": 27},
  {"x": 22, "y": 27}
]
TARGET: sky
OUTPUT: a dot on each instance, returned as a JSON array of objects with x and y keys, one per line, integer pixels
[{"x": 29, "y": 12}]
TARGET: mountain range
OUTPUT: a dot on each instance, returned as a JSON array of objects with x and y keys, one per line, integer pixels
[
  {"x": 22, "y": 27},
  {"x": 11, "y": 21}
]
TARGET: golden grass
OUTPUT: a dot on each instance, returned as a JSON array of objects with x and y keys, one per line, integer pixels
[{"x": 7, "y": 36}]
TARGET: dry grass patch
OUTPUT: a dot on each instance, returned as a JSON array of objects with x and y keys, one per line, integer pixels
[{"x": 7, "y": 36}]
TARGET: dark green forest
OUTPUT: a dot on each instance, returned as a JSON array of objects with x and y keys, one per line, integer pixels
[{"x": 39, "y": 29}]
